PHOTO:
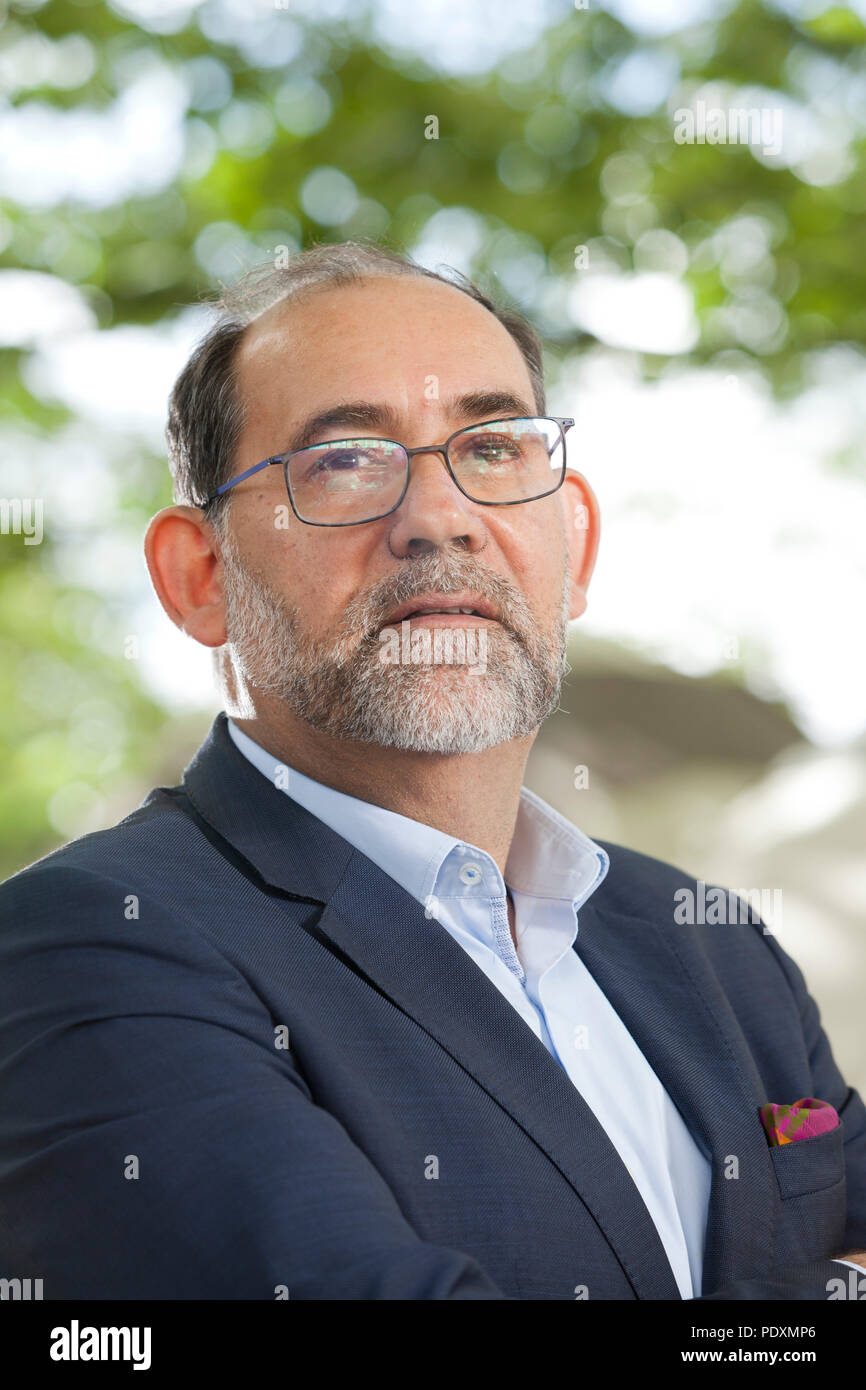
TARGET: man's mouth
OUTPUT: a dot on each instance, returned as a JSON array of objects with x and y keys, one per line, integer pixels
[{"x": 454, "y": 610}]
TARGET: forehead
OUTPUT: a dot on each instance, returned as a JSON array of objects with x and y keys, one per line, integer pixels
[{"x": 375, "y": 336}]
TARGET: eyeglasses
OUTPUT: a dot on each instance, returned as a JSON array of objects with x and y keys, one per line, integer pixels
[{"x": 343, "y": 482}]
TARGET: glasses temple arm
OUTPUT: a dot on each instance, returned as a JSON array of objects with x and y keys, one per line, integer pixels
[{"x": 265, "y": 463}]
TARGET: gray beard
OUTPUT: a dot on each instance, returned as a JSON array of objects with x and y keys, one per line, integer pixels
[{"x": 342, "y": 687}]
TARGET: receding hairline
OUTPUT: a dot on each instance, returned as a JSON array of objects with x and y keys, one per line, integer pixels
[{"x": 282, "y": 307}]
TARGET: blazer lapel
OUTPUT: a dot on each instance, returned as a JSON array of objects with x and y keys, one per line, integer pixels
[
  {"x": 684, "y": 1025},
  {"x": 415, "y": 962}
]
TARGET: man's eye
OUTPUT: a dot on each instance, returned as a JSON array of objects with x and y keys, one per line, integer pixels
[
  {"x": 494, "y": 449},
  {"x": 339, "y": 460},
  {"x": 349, "y": 467}
]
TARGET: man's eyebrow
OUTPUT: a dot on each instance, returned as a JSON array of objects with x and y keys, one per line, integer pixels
[
  {"x": 379, "y": 417},
  {"x": 488, "y": 405},
  {"x": 358, "y": 414}
]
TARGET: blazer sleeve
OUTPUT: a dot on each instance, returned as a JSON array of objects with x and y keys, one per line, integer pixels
[
  {"x": 154, "y": 1143},
  {"x": 809, "y": 1280}
]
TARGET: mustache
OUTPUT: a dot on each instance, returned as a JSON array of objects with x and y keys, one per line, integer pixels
[{"x": 369, "y": 609}]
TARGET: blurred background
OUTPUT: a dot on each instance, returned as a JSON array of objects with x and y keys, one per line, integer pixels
[{"x": 703, "y": 304}]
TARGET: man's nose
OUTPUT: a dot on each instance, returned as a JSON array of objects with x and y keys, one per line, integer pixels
[{"x": 434, "y": 512}]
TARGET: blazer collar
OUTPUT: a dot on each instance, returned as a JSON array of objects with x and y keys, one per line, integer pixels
[{"x": 286, "y": 846}]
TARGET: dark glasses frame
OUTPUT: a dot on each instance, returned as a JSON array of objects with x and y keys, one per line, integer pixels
[{"x": 563, "y": 422}]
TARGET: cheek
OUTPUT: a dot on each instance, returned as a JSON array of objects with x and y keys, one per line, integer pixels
[
  {"x": 317, "y": 574},
  {"x": 277, "y": 556},
  {"x": 536, "y": 556}
]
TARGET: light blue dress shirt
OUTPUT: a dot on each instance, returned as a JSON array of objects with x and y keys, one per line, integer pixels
[{"x": 552, "y": 869}]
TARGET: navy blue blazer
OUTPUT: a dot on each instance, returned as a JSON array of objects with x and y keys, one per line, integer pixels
[{"x": 238, "y": 1062}]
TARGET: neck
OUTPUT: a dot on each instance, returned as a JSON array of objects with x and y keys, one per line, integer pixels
[{"x": 472, "y": 796}]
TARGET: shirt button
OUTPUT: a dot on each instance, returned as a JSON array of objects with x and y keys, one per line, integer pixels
[{"x": 471, "y": 874}]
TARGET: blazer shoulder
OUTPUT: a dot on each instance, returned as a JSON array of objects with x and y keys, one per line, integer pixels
[
  {"x": 639, "y": 884},
  {"x": 130, "y": 849},
  {"x": 731, "y": 934},
  {"x": 129, "y": 903}
]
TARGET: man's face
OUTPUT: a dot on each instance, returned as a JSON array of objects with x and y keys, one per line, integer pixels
[{"x": 310, "y": 610}]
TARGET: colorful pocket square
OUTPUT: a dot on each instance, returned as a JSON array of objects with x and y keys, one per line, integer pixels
[{"x": 805, "y": 1119}]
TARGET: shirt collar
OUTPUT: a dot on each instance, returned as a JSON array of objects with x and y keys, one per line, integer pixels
[{"x": 549, "y": 857}]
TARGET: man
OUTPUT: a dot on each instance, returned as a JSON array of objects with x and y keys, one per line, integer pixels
[{"x": 350, "y": 1014}]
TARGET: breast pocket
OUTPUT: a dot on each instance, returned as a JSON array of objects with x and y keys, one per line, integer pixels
[{"x": 810, "y": 1174}]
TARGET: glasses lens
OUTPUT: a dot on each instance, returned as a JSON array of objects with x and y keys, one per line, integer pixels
[
  {"x": 346, "y": 480},
  {"x": 508, "y": 460}
]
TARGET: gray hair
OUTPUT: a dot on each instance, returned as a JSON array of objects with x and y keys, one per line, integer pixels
[{"x": 206, "y": 414}]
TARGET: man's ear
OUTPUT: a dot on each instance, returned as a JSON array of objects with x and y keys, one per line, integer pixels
[
  {"x": 185, "y": 568},
  {"x": 582, "y": 531}
]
